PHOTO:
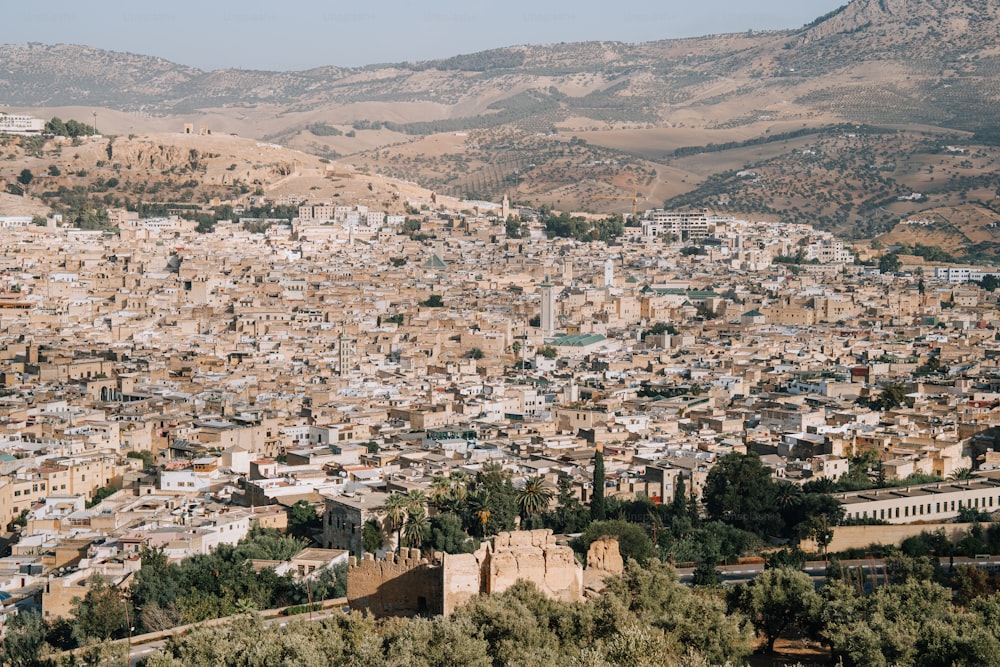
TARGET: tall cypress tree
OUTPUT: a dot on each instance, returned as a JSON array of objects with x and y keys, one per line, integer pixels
[{"x": 598, "y": 510}]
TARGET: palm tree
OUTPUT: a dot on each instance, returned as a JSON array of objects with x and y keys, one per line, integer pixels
[
  {"x": 416, "y": 525},
  {"x": 459, "y": 485},
  {"x": 533, "y": 498},
  {"x": 961, "y": 473},
  {"x": 480, "y": 504},
  {"x": 440, "y": 490},
  {"x": 491, "y": 476},
  {"x": 786, "y": 494},
  {"x": 395, "y": 515},
  {"x": 416, "y": 499}
]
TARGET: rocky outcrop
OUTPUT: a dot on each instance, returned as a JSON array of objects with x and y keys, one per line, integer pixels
[{"x": 149, "y": 154}]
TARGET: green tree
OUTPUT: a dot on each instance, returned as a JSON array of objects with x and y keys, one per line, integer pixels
[
  {"x": 303, "y": 520},
  {"x": 371, "y": 536},
  {"x": 989, "y": 282},
  {"x": 25, "y": 177},
  {"x": 433, "y": 301},
  {"x": 633, "y": 541},
  {"x": 103, "y": 613},
  {"x": 448, "y": 535},
  {"x": 56, "y": 126},
  {"x": 548, "y": 352},
  {"x": 475, "y": 353},
  {"x": 706, "y": 574},
  {"x": 892, "y": 396},
  {"x": 570, "y": 515},
  {"x": 654, "y": 599},
  {"x": 777, "y": 600},
  {"x": 148, "y": 462},
  {"x": 513, "y": 228},
  {"x": 480, "y": 502},
  {"x": 23, "y": 640},
  {"x": 155, "y": 584},
  {"x": 395, "y": 516},
  {"x": 417, "y": 526},
  {"x": 598, "y": 509},
  {"x": 533, "y": 498},
  {"x": 889, "y": 263},
  {"x": 440, "y": 490},
  {"x": 740, "y": 492}
]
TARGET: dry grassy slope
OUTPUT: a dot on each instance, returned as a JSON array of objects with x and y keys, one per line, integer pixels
[
  {"x": 953, "y": 228},
  {"x": 174, "y": 167}
]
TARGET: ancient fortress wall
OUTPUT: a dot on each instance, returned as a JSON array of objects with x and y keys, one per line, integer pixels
[
  {"x": 409, "y": 584},
  {"x": 403, "y": 585}
]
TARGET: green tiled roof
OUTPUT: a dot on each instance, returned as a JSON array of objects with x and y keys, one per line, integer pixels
[
  {"x": 691, "y": 294},
  {"x": 578, "y": 340},
  {"x": 435, "y": 262}
]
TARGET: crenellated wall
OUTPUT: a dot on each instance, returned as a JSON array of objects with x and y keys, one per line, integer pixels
[
  {"x": 399, "y": 585},
  {"x": 409, "y": 584}
]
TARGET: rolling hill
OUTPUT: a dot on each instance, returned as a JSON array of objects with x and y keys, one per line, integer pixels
[{"x": 593, "y": 125}]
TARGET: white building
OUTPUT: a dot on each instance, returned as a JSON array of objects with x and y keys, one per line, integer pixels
[
  {"x": 19, "y": 124},
  {"x": 963, "y": 274},
  {"x": 682, "y": 226},
  {"x": 931, "y": 502}
]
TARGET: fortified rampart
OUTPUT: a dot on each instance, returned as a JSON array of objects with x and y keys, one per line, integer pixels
[
  {"x": 399, "y": 585},
  {"x": 409, "y": 584}
]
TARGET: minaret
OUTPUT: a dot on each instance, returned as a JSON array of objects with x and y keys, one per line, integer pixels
[
  {"x": 609, "y": 273},
  {"x": 345, "y": 352},
  {"x": 548, "y": 319}
]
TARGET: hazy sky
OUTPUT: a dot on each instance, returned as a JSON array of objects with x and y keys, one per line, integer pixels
[{"x": 298, "y": 34}]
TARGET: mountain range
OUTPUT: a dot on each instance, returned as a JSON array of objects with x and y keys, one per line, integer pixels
[{"x": 630, "y": 119}]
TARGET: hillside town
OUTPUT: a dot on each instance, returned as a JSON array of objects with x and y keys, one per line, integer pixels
[{"x": 172, "y": 389}]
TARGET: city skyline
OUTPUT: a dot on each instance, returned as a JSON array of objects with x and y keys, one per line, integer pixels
[{"x": 304, "y": 34}]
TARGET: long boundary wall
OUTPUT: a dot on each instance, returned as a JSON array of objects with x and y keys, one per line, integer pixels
[{"x": 859, "y": 537}]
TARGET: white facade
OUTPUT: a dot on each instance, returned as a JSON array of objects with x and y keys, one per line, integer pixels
[
  {"x": 930, "y": 502},
  {"x": 962, "y": 274},
  {"x": 682, "y": 226},
  {"x": 19, "y": 124}
]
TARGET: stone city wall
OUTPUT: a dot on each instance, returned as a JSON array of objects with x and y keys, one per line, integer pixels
[
  {"x": 410, "y": 584},
  {"x": 403, "y": 585}
]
